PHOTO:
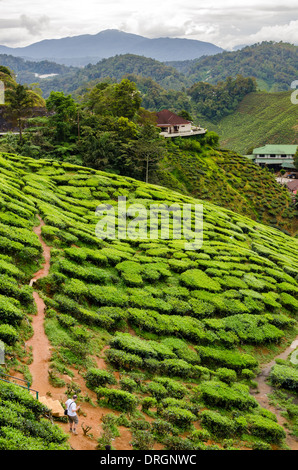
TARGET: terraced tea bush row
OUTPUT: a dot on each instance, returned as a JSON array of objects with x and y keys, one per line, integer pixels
[
  {"x": 22, "y": 425},
  {"x": 284, "y": 376}
]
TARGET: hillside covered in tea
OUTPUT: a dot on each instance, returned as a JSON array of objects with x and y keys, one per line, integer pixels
[{"x": 167, "y": 341}]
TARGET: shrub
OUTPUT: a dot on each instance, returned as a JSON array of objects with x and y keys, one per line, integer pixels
[
  {"x": 143, "y": 440},
  {"x": 176, "y": 367},
  {"x": 179, "y": 443},
  {"x": 122, "y": 359},
  {"x": 8, "y": 334},
  {"x": 174, "y": 388},
  {"x": 162, "y": 428},
  {"x": 289, "y": 301},
  {"x": 118, "y": 399},
  {"x": 226, "y": 358},
  {"x": 284, "y": 376},
  {"x": 226, "y": 375},
  {"x": 220, "y": 394},
  {"x": 217, "y": 424},
  {"x": 128, "y": 384},
  {"x": 107, "y": 295},
  {"x": 179, "y": 417},
  {"x": 66, "y": 320},
  {"x": 265, "y": 428},
  {"x": 10, "y": 313},
  {"x": 80, "y": 333},
  {"x": 197, "y": 279},
  {"x": 148, "y": 402},
  {"x": 130, "y": 272},
  {"x": 253, "y": 329},
  {"x": 157, "y": 390},
  {"x": 75, "y": 288}
]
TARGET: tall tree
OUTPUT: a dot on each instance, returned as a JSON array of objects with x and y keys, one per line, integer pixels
[
  {"x": 148, "y": 150},
  {"x": 20, "y": 101},
  {"x": 64, "y": 118}
]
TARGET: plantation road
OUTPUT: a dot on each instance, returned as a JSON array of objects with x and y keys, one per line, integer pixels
[
  {"x": 53, "y": 397},
  {"x": 265, "y": 389}
]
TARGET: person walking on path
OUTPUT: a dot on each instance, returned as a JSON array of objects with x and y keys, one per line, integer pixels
[{"x": 72, "y": 409}]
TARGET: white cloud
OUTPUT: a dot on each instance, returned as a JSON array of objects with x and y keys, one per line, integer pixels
[
  {"x": 226, "y": 24},
  {"x": 286, "y": 33}
]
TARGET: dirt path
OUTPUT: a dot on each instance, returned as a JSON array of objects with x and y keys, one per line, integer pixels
[
  {"x": 41, "y": 352},
  {"x": 264, "y": 389},
  {"x": 91, "y": 415}
]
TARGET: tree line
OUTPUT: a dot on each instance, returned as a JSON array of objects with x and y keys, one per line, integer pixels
[{"x": 109, "y": 128}]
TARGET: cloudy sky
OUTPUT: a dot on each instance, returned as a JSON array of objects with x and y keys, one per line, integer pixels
[{"x": 226, "y": 23}]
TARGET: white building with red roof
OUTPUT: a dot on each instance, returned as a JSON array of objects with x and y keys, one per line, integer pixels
[{"x": 172, "y": 125}]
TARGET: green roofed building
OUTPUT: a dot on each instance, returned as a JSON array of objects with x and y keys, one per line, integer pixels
[{"x": 275, "y": 156}]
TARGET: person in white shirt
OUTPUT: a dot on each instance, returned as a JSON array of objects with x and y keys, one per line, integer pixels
[{"x": 72, "y": 409}]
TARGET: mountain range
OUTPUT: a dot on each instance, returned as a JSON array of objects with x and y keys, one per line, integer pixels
[{"x": 87, "y": 48}]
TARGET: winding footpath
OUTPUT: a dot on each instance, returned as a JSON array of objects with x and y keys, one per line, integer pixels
[
  {"x": 39, "y": 342},
  {"x": 39, "y": 368},
  {"x": 41, "y": 351},
  {"x": 264, "y": 389}
]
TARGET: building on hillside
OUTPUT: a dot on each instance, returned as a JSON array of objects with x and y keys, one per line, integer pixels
[
  {"x": 275, "y": 156},
  {"x": 172, "y": 125},
  {"x": 293, "y": 186}
]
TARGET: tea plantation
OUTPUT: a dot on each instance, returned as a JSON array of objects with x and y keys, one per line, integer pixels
[{"x": 185, "y": 328}]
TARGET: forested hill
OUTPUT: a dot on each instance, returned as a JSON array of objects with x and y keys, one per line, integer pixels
[
  {"x": 114, "y": 69},
  {"x": 274, "y": 65},
  {"x": 260, "y": 118},
  {"x": 28, "y": 71}
]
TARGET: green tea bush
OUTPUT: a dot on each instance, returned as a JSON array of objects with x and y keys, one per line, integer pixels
[
  {"x": 75, "y": 288},
  {"x": 265, "y": 428},
  {"x": 148, "y": 402},
  {"x": 253, "y": 328},
  {"x": 128, "y": 384},
  {"x": 97, "y": 377},
  {"x": 179, "y": 417},
  {"x": 130, "y": 272},
  {"x": 66, "y": 320},
  {"x": 8, "y": 334},
  {"x": 9, "y": 287},
  {"x": 290, "y": 302},
  {"x": 197, "y": 279},
  {"x": 223, "y": 395},
  {"x": 176, "y": 368},
  {"x": 286, "y": 377},
  {"x": 10, "y": 311},
  {"x": 124, "y": 360},
  {"x": 107, "y": 295},
  {"x": 176, "y": 443},
  {"x": 145, "y": 349},
  {"x": 157, "y": 390},
  {"x": 219, "y": 357},
  {"x": 226, "y": 375},
  {"x": 118, "y": 399},
  {"x": 174, "y": 388},
  {"x": 217, "y": 424},
  {"x": 88, "y": 273}
]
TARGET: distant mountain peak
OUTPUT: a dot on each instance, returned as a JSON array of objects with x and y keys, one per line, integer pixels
[{"x": 111, "y": 42}]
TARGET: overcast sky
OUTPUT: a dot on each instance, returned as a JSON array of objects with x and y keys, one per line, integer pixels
[{"x": 226, "y": 23}]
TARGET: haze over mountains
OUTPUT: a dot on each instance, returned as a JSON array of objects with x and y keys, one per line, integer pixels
[{"x": 87, "y": 48}]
